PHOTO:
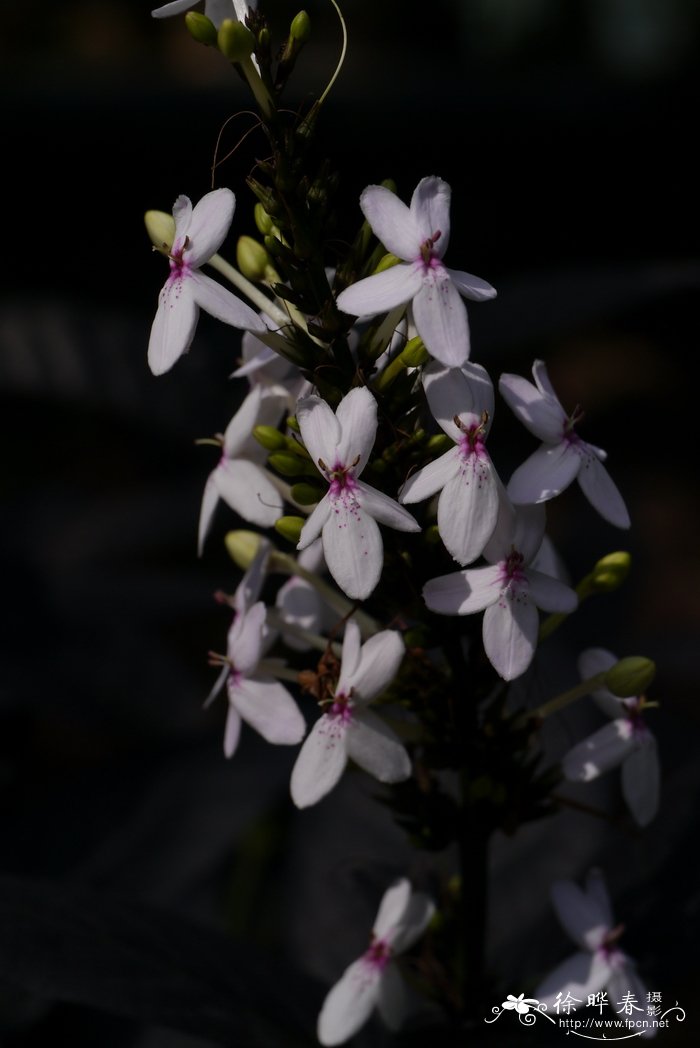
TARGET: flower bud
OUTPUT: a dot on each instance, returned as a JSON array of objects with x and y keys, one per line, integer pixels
[
  {"x": 270, "y": 438},
  {"x": 611, "y": 571},
  {"x": 242, "y": 546},
  {"x": 293, "y": 424},
  {"x": 300, "y": 29},
  {"x": 306, "y": 494},
  {"x": 386, "y": 262},
  {"x": 161, "y": 229},
  {"x": 201, "y": 28},
  {"x": 414, "y": 353},
  {"x": 252, "y": 258},
  {"x": 290, "y": 528},
  {"x": 235, "y": 41},
  {"x": 262, "y": 220},
  {"x": 291, "y": 465},
  {"x": 439, "y": 444},
  {"x": 630, "y": 676}
]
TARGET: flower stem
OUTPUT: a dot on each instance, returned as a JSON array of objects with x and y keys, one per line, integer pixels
[
  {"x": 559, "y": 702},
  {"x": 256, "y": 296}
]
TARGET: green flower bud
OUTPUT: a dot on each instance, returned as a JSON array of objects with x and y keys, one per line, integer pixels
[
  {"x": 300, "y": 29},
  {"x": 414, "y": 353},
  {"x": 306, "y": 494},
  {"x": 293, "y": 424},
  {"x": 389, "y": 184},
  {"x": 290, "y": 528},
  {"x": 610, "y": 571},
  {"x": 291, "y": 465},
  {"x": 201, "y": 28},
  {"x": 270, "y": 438},
  {"x": 262, "y": 220},
  {"x": 386, "y": 262},
  {"x": 235, "y": 41},
  {"x": 252, "y": 258},
  {"x": 161, "y": 229},
  {"x": 432, "y": 535},
  {"x": 242, "y": 547},
  {"x": 439, "y": 444},
  {"x": 630, "y": 676}
]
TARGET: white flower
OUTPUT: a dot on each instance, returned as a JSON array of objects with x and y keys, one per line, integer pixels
[
  {"x": 586, "y": 915},
  {"x": 563, "y": 455},
  {"x": 262, "y": 366},
  {"x": 373, "y": 981},
  {"x": 626, "y": 741},
  {"x": 300, "y": 604},
  {"x": 199, "y": 233},
  {"x": 339, "y": 444},
  {"x": 508, "y": 589},
  {"x": 462, "y": 402},
  {"x": 216, "y": 10},
  {"x": 520, "y": 1004},
  {"x": 348, "y": 730},
  {"x": 254, "y": 695},
  {"x": 239, "y": 477},
  {"x": 419, "y": 235}
]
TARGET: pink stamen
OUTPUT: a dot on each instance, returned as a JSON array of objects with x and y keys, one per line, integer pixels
[{"x": 341, "y": 708}]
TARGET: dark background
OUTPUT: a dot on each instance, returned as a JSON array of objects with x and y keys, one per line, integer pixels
[{"x": 142, "y": 873}]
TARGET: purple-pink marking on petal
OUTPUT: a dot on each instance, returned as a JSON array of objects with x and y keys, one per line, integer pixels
[
  {"x": 341, "y": 709},
  {"x": 378, "y": 955}
]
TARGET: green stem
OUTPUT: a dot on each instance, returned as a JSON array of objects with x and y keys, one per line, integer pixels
[
  {"x": 256, "y": 296},
  {"x": 559, "y": 702}
]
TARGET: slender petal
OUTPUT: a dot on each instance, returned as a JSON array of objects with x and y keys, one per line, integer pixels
[
  {"x": 320, "y": 429},
  {"x": 464, "y": 592},
  {"x": 392, "y": 222},
  {"x": 321, "y": 761},
  {"x": 350, "y": 1003},
  {"x": 173, "y": 325},
  {"x": 210, "y": 499},
  {"x": 246, "y": 488},
  {"x": 529, "y": 530},
  {"x": 641, "y": 781},
  {"x": 217, "y": 686},
  {"x": 378, "y": 664},
  {"x": 376, "y": 749},
  {"x": 415, "y": 919},
  {"x": 431, "y": 478},
  {"x": 175, "y": 7},
  {"x": 582, "y": 974},
  {"x": 268, "y": 707},
  {"x": 542, "y": 379},
  {"x": 357, "y": 418},
  {"x": 209, "y": 223},
  {"x": 580, "y": 914},
  {"x": 392, "y": 1001},
  {"x": 232, "y": 731},
  {"x": 223, "y": 304},
  {"x": 550, "y": 594},
  {"x": 430, "y": 211},
  {"x": 241, "y": 425},
  {"x": 510, "y": 634},
  {"x": 464, "y": 392},
  {"x": 314, "y": 523},
  {"x": 472, "y": 287},
  {"x": 245, "y": 639},
  {"x": 440, "y": 317},
  {"x": 353, "y": 547},
  {"x": 350, "y": 657},
  {"x": 468, "y": 508},
  {"x": 545, "y": 474},
  {"x": 382, "y": 291},
  {"x": 604, "y": 749},
  {"x": 392, "y": 909},
  {"x": 543, "y": 416},
  {"x": 384, "y": 509},
  {"x": 600, "y": 490},
  {"x": 299, "y": 605}
]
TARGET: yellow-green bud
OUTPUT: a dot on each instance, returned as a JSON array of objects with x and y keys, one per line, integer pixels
[
  {"x": 389, "y": 184},
  {"x": 161, "y": 229},
  {"x": 235, "y": 41},
  {"x": 252, "y": 258},
  {"x": 291, "y": 465},
  {"x": 242, "y": 547},
  {"x": 201, "y": 28},
  {"x": 432, "y": 535},
  {"x": 630, "y": 676},
  {"x": 262, "y": 220},
  {"x": 270, "y": 438},
  {"x": 610, "y": 571},
  {"x": 300, "y": 29},
  {"x": 439, "y": 444},
  {"x": 290, "y": 528},
  {"x": 386, "y": 262},
  {"x": 293, "y": 424},
  {"x": 306, "y": 494},
  {"x": 414, "y": 353}
]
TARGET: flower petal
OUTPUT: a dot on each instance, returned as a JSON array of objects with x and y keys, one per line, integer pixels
[
  {"x": 245, "y": 641},
  {"x": 209, "y": 224},
  {"x": 472, "y": 287},
  {"x": 175, "y": 7},
  {"x": 391, "y": 909},
  {"x": 392, "y": 222},
  {"x": 545, "y": 474},
  {"x": 641, "y": 781},
  {"x": 430, "y": 211},
  {"x": 466, "y": 392},
  {"x": 247, "y": 489},
  {"x": 580, "y": 914},
  {"x": 413, "y": 922},
  {"x": 624, "y": 980},
  {"x": 268, "y": 707},
  {"x": 357, "y": 418},
  {"x": 544, "y": 416},
  {"x": 314, "y": 523},
  {"x": 210, "y": 499},
  {"x": 382, "y": 291},
  {"x": 219, "y": 302},
  {"x": 320, "y": 429},
  {"x": 440, "y": 318},
  {"x": 464, "y": 592},
  {"x": 604, "y": 749},
  {"x": 582, "y": 974},
  {"x": 384, "y": 509},
  {"x": 321, "y": 761},
  {"x": 352, "y": 546},
  {"x": 350, "y": 657},
  {"x": 241, "y": 425},
  {"x": 350, "y": 1003},
  {"x": 299, "y": 605},
  {"x": 173, "y": 325},
  {"x": 510, "y": 633},
  {"x": 550, "y": 594},
  {"x": 376, "y": 749},
  {"x": 602, "y": 493},
  {"x": 430, "y": 479},
  {"x": 232, "y": 730},
  {"x": 468, "y": 509},
  {"x": 392, "y": 1002}
]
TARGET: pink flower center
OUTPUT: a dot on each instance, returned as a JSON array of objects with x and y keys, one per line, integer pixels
[
  {"x": 341, "y": 480},
  {"x": 378, "y": 955},
  {"x": 608, "y": 947},
  {"x": 512, "y": 567},
  {"x": 570, "y": 435},
  {"x": 341, "y": 707},
  {"x": 428, "y": 256},
  {"x": 179, "y": 267},
  {"x": 472, "y": 440}
]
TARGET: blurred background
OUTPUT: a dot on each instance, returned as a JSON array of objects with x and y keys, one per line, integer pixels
[{"x": 142, "y": 873}]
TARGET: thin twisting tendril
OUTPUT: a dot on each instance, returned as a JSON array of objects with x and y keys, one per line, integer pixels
[{"x": 341, "y": 60}]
